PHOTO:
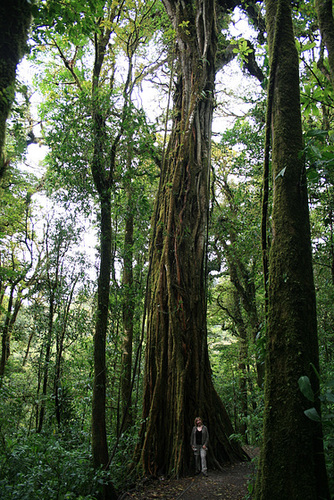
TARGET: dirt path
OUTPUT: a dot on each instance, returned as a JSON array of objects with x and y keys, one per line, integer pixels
[{"x": 229, "y": 484}]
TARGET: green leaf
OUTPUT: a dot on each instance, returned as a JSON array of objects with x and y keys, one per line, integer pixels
[
  {"x": 312, "y": 175},
  {"x": 312, "y": 414},
  {"x": 306, "y": 388},
  {"x": 34, "y": 10},
  {"x": 316, "y": 151},
  {"x": 319, "y": 133},
  {"x": 329, "y": 418},
  {"x": 281, "y": 173},
  {"x": 308, "y": 46},
  {"x": 329, "y": 396}
]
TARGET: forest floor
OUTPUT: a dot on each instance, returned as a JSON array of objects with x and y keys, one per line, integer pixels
[{"x": 232, "y": 483}]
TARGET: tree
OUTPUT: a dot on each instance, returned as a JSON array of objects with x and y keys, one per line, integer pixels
[
  {"x": 105, "y": 105},
  {"x": 16, "y": 250},
  {"x": 102, "y": 174},
  {"x": 15, "y": 19},
  {"x": 128, "y": 313},
  {"x": 292, "y": 347},
  {"x": 177, "y": 384},
  {"x": 237, "y": 230},
  {"x": 326, "y": 24},
  {"x": 58, "y": 281}
]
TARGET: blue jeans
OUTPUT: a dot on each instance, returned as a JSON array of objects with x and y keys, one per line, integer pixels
[{"x": 200, "y": 458}]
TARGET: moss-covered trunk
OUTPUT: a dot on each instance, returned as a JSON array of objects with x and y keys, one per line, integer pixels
[
  {"x": 292, "y": 460},
  {"x": 14, "y": 23},
  {"x": 178, "y": 384},
  {"x": 326, "y": 23},
  {"x": 128, "y": 315},
  {"x": 102, "y": 173},
  {"x": 99, "y": 437}
]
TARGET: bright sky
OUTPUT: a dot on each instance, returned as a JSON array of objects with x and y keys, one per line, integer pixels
[{"x": 230, "y": 79}]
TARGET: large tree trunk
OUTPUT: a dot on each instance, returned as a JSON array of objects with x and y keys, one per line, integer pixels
[
  {"x": 178, "y": 384},
  {"x": 290, "y": 438},
  {"x": 14, "y": 23}
]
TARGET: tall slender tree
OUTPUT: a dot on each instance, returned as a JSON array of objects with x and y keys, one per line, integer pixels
[
  {"x": 128, "y": 313},
  {"x": 290, "y": 438},
  {"x": 326, "y": 24}
]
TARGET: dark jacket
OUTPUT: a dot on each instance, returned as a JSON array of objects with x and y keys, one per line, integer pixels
[{"x": 205, "y": 436}]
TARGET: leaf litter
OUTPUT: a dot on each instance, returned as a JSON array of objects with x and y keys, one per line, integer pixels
[{"x": 231, "y": 483}]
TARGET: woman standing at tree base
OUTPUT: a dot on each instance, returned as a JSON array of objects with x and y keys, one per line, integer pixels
[{"x": 199, "y": 442}]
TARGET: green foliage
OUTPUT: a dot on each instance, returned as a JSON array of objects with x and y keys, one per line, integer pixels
[
  {"x": 320, "y": 158},
  {"x": 75, "y": 19},
  {"x": 123, "y": 475},
  {"x": 326, "y": 418},
  {"x": 243, "y": 49},
  {"x": 306, "y": 388},
  {"x": 47, "y": 466},
  {"x": 225, "y": 363}
]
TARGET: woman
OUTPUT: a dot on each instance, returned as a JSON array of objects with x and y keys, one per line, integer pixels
[{"x": 199, "y": 442}]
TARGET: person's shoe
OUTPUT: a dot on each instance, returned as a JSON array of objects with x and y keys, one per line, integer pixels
[{"x": 205, "y": 474}]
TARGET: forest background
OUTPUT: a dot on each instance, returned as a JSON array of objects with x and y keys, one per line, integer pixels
[{"x": 50, "y": 222}]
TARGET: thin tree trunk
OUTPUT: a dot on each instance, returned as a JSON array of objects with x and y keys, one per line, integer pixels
[
  {"x": 102, "y": 177},
  {"x": 242, "y": 279},
  {"x": 99, "y": 437},
  {"x": 128, "y": 315},
  {"x": 60, "y": 350},
  {"x": 245, "y": 288},
  {"x": 57, "y": 377},
  {"x": 243, "y": 355},
  {"x": 47, "y": 358},
  {"x": 290, "y": 438},
  {"x": 234, "y": 313},
  {"x": 31, "y": 336},
  {"x": 326, "y": 22},
  {"x": 8, "y": 327},
  {"x": 102, "y": 167}
]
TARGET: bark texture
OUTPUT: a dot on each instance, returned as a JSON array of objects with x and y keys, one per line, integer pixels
[
  {"x": 102, "y": 168},
  {"x": 326, "y": 23},
  {"x": 14, "y": 24},
  {"x": 290, "y": 438},
  {"x": 178, "y": 383},
  {"x": 128, "y": 317}
]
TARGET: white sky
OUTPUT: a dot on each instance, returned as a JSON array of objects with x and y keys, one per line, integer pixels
[{"x": 229, "y": 79}]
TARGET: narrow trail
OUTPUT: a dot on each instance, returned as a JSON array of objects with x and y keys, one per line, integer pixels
[{"x": 229, "y": 484}]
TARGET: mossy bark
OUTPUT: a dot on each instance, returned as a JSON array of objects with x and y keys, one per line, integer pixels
[
  {"x": 99, "y": 437},
  {"x": 15, "y": 19},
  {"x": 178, "y": 384},
  {"x": 292, "y": 459},
  {"x": 102, "y": 173},
  {"x": 128, "y": 315},
  {"x": 326, "y": 23}
]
